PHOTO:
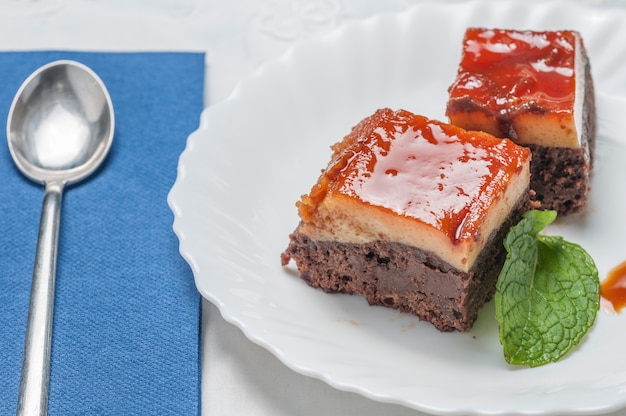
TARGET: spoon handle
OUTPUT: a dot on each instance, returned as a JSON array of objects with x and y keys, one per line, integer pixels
[{"x": 33, "y": 393}]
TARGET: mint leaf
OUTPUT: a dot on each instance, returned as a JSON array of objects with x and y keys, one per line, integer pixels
[{"x": 547, "y": 295}]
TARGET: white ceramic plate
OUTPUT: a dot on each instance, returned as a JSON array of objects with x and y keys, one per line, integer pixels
[{"x": 256, "y": 153}]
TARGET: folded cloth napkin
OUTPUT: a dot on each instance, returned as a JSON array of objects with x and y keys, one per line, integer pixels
[{"x": 126, "y": 322}]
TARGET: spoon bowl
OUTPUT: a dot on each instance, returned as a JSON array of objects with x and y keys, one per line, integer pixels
[
  {"x": 59, "y": 130},
  {"x": 61, "y": 123}
]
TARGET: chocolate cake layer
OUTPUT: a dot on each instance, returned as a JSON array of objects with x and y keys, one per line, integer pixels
[
  {"x": 560, "y": 178},
  {"x": 403, "y": 277}
]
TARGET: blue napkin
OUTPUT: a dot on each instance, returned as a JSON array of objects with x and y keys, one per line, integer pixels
[{"x": 126, "y": 322}]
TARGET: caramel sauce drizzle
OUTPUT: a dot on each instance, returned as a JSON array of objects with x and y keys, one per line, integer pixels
[{"x": 613, "y": 288}]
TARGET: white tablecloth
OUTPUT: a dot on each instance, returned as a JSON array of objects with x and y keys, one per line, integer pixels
[{"x": 238, "y": 377}]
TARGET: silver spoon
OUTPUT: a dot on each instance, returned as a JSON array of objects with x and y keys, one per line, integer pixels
[{"x": 59, "y": 129}]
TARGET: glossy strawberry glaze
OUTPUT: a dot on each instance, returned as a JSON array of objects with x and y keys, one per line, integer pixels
[
  {"x": 430, "y": 171},
  {"x": 506, "y": 69}
]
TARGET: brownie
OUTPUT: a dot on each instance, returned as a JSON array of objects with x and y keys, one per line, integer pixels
[
  {"x": 484, "y": 97},
  {"x": 400, "y": 276}
]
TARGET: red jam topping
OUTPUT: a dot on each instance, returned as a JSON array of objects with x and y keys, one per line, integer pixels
[
  {"x": 434, "y": 172},
  {"x": 506, "y": 69}
]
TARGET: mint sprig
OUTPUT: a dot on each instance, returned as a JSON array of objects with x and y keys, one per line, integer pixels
[{"x": 547, "y": 295}]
